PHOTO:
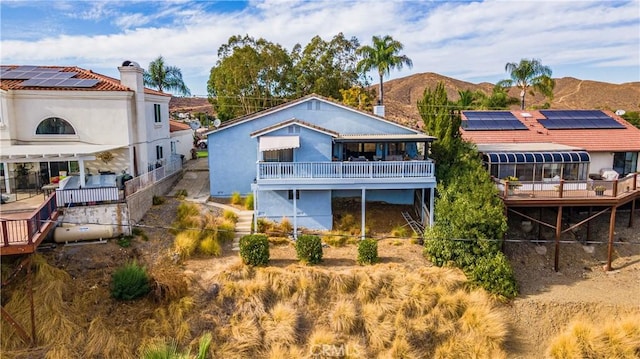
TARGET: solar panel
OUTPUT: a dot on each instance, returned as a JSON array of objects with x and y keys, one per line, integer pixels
[
  {"x": 84, "y": 83},
  {"x": 577, "y": 119},
  {"x": 491, "y": 121}
]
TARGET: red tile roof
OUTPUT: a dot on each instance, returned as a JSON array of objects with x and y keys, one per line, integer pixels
[
  {"x": 175, "y": 126},
  {"x": 105, "y": 83},
  {"x": 615, "y": 140}
]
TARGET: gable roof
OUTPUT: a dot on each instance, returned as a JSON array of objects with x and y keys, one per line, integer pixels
[
  {"x": 175, "y": 126},
  {"x": 255, "y": 115},
  {"x": 293, "y": 121},
  {"x": 105, "y": 83},
  {"x": 625, "y": 139}
]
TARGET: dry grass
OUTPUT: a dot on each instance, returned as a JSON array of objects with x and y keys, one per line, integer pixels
[
  {"x": 385, "y": 310},
  {"x": 381, "y": 311},
  {"x": 583, "y": 339}
]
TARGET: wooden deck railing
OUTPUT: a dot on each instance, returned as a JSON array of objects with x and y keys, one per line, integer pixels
[
  {"x": 16, "y": 232},
  {"x": 569, "y": 189}
]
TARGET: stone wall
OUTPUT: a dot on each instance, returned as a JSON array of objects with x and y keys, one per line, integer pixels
[{"x": 140, "y": 202}]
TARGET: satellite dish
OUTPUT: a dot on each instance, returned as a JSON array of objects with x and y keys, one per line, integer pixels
[
  {"x": 216, "y": 123},
  {"x": 620, "y": 112},
  {"x": 195, "y": 124}
]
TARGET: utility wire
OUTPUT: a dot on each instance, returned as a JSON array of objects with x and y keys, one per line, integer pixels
[{"x": 324, "y": 235}]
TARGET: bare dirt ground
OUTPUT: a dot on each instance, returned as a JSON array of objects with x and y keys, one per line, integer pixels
[{"x": 547, "y": 303}]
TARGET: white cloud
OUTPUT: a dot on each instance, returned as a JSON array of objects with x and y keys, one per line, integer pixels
[{"x": 463, "y": 40}]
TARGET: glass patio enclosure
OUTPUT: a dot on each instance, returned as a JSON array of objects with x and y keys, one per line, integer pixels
[{"x": 538, "y": 166}]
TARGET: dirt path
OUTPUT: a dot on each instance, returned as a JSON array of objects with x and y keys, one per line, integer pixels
[{"x": 561, "y": 99}]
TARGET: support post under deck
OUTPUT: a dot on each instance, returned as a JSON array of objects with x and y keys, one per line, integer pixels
[
  {"x": 612, "y": 226},
  {"x": 558, "y": 232}
]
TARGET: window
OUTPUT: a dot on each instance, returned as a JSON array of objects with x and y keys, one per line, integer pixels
[
  {"x": 156, "y": 110},
  {"x": 173, "y": 147},
  {"x": 55, "y": 126},
  {"x": 625, "y": 162},
  {"x": 159, "y": 154},
  {"x": 278, "y": 156},
  {"x": 291, "y": 195}
]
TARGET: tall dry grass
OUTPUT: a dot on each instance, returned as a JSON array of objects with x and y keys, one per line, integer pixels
[
  {"x": 615, "y": 338},
  {"x": 385, "y": 311},
  {"x": 382, "y": 311}
]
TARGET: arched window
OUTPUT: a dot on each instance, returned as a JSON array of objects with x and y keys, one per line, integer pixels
[{"x": 55, "y": 126}]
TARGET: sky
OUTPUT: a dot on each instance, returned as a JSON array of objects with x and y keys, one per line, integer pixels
[{"x": 470, "y": 41}]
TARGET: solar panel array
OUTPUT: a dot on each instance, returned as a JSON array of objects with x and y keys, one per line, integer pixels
[
  {"x": 577, "y": 119},
  {"x": 45, "y": 77},
  {"x": 491, "y": 121}
]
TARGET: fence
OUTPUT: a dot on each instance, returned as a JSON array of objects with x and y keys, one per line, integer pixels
[
  {"x": 21, "y": 186},
  {"x": 21, "y": 231},
  {"x": 145, "y": 180},
  {"x": 88, "y": 196},
  {"x": 569, "y": 189}
]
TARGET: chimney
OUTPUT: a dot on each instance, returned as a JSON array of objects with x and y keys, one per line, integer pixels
[
  {"x": 131, "y": 76},
  {"x": 378, "y": 110}
]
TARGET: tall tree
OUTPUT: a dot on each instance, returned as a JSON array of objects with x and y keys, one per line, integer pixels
[
  {"x": 529, "y": 75},
  {"x": 383, "y": 56},
  {"x": 250, "y": 75},
  {"x": 443, "y": 123},
  {"x": 163, "y": 77},
  {"x": 326, "y": 67}
]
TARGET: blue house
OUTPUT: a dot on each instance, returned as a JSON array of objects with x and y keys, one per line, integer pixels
[{"x": 297, "y": 157}]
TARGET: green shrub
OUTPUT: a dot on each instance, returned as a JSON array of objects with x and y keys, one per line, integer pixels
[
  {"x": 368, "y": 251},
  {"x": 248, "y": 202},
  {"x": 187, "y": 209},
  {"x": 494, "y": 273},
  {"x": 230, "y": 215},
  {"x": 129, "y": 282},
  {"x": 226, "y": 231},
  {"x": 236, "y": 198},
  {"x": 309, "y": 249},
  {"x": 125, "y": 241},
  {"x": 254, "y": 249},
  {"x": 158, "y": 200}
]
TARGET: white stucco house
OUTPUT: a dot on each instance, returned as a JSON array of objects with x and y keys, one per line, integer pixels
[
  {"x": 57, "y": 120},
  {"x": 181, "y": 139}
]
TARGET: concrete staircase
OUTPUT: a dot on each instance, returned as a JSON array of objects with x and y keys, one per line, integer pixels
[{"x": 243, "y": 227}]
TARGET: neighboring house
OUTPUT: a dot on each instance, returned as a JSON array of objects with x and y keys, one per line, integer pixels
[
  {"x": 549, "y": 145},
  {"x": 58, "y": 120},
  {"x": 181, "y": 139},
  {"x": 296, "y": 157}
]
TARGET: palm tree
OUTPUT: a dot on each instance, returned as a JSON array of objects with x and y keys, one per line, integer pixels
[
  {"x": 529, "y": 75},
  {"x": 383, "y": 56},
  {"x": 163, "y": 77}
]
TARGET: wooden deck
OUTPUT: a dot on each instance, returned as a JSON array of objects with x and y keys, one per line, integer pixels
[
  {"x": 571, "y": 193},
  {"x": 23, "y": 233}
]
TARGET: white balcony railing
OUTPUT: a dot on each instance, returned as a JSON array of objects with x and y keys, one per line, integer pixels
[{"x": 344, "y": 170}]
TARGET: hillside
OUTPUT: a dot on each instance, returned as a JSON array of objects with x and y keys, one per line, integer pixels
[
  {"x": 190, "y": 105},
  {"x": 401, "y": 95}
]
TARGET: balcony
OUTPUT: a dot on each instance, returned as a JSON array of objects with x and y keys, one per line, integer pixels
[
  {"x": 345, "y": 172},
  {"x": 590, "y": 192}
]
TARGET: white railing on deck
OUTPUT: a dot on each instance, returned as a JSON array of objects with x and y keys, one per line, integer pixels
[
  {"x": 147, "y": 179},
  {"x": 324, "y": 170},
  {"x": 87, "y": 196}
]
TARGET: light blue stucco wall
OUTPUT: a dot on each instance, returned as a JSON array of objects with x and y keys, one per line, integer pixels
[
  {"x": 313, "y": 208},
  {"x": 233, "y": 153}
]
